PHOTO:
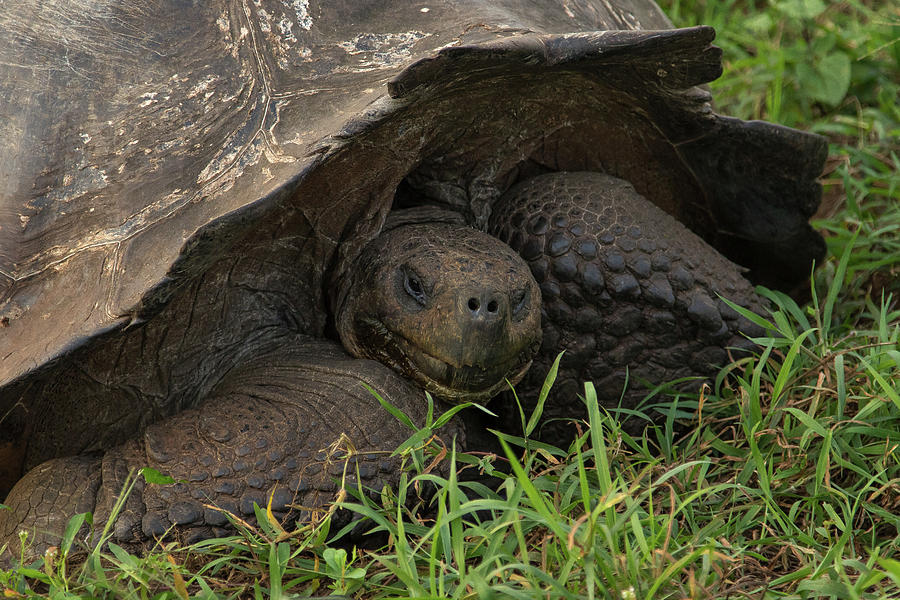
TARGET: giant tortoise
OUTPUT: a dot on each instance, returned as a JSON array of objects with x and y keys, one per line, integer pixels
[{"x": 201, "y": 198}]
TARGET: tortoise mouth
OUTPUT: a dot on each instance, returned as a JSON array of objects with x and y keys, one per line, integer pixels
[{"x": 464, "y": 383}]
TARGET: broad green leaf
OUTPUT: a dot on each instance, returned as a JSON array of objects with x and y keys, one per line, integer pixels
[
  {"x": 834, "y": 79},
  {"x": 800, "y": 9},
  {"x": 151, "y": 475},
  {"x": 758, "y": 23}
]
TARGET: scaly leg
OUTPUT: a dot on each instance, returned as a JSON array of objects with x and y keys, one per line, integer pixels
[
  {"x": 627, "y": 291},
  {"x": 285, "y": 426}
]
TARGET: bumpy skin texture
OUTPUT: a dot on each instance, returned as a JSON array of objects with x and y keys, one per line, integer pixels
[
  {"x": 278, "y": 426},
  {"x": 625, "y": 288}
]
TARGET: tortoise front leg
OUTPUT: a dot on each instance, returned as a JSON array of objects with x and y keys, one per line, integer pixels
[
  {"x": 628, "y": 292},
  {"x": 283, "y": 429}
]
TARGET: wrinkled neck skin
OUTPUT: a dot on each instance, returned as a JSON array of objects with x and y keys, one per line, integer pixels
[{"x": 452, "y": 308}]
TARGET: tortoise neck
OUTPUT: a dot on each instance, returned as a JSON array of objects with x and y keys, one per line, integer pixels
[{"x": 420, "y": 215}]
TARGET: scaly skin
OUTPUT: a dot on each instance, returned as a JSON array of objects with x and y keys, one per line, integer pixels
[
  {"x": 278, "y": 426},
  {"x": 264, "y": 430},
  {"x": 625, "y": 289}
]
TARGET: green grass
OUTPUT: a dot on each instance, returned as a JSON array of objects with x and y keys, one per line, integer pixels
[{"x": 787, "y": 482}]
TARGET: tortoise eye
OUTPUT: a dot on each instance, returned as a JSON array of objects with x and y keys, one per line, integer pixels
[
  {"x": 414, "y": 288},
  {"x": 519, "y": 299}
]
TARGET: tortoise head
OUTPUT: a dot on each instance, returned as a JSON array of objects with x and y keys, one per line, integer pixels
[{"x": 450, "y": 307}]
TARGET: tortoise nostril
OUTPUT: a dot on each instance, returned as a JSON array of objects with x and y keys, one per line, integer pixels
[
  {"x": 492, "y": 306},
  {"x": 474, "y": 304}
]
